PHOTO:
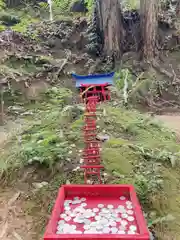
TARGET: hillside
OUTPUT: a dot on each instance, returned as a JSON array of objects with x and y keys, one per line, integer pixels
[{"x": 41, "y": 140}]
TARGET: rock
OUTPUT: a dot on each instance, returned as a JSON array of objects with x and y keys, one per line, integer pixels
[
  {"x": 9, "y": 20},
  {"x": 76, "y": 169},
  {"x": 81, "y": 161},
  {"x": 102, "y": 138},
  {"x": 79, "y": 6},
  {"x": 39, "y": 185},
  {"x": 16, "y": 109}
]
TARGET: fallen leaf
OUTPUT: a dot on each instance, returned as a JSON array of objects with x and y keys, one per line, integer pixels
[
  {"x": 14, "y": 198},
  {"x": 17, "y": 236},
  {"x": 3, "y": 231}
]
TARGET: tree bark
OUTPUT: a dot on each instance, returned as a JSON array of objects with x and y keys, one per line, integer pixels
[
  {"x": 178, "y": 9},
  {"x": 149, "y": 27},
  {"x": 110, "y": 24}
]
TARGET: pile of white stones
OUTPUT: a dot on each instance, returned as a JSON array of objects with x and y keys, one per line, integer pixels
[{"x": 101, "y": 219}]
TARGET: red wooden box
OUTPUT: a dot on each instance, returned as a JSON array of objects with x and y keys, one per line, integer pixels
[{"x": 99, "y": 193}]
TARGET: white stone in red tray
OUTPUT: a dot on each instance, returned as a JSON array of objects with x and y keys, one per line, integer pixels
[{"x": 122, "y": 198}]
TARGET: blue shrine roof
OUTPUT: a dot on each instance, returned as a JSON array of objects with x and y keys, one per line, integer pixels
[{"x": 94, "y": 79}]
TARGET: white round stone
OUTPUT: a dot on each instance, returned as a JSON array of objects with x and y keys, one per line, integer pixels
[
  {"x": 67, "y": 208},
  {"x": 121, "y": 232},
  {"x": 86, "y": 227},
  {"x": 83, "y": 204},
  {"x": 95, "y": 210},
  {"x": 130, "y": 212},
  {"x": 72, "y": 215},
  {"x": 97, "y": 218},
  {"x": 76, "y": 198},
  {"x": 67, "y": 213},
  {"x": 105, "y": 210},
  {"x": 122, "y": 198},
  {"x": 121, "y": 206},
  {"x": 118, "y": 220},
  {"x": 129, "y": 207},
  {"x": 93, "y": 230},
  {"x": 110, "y": 206},
  {"x": 124, "y": 223},
  {"x": 73, "y": 227},
  {"x": 103, "y": 221},
  {"x": 114, "y": 230},
  {"x": 130, "y": 218},
  {"x": 67, "y": 219},
  {"x": 106, "y": 230},
  {"x": 89, "y": 210},
  {"x": 112, "y": 224},
  {"x": 131, "y": 232},
  {"x": 122, "y": 228},
  {"x": 124, "y": 215},
  {"x": 61, "y": 222},
  {"x": 122, "y": 210},
  {"x": 93, "y": 224},
  {"x": 100, "y": 205},
  {"x": 75, "y": 220},
  {"x": 114, "y": 215},
  {"x": 133, "y": 228},
  {"x": 99, "y": 227},
  {"x": 63, "y": 215},
  {"x": 83, "y": 199}
]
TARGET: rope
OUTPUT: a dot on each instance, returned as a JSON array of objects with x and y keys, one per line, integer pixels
[{"x": 87, "y": 89}]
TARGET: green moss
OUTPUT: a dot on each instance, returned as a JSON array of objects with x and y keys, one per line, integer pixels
[
  {"x": 26, "y": 64},
  {"x": 42, "y": 141},
  {"x": 139, "y": 128},
  {"x": 22, "y": 27},
  {"x": 116, "y": 142},
  {"x": 2, "y": 28},
  {"x": 78, "y": 124},
  {"x": 118, "y": 160}
]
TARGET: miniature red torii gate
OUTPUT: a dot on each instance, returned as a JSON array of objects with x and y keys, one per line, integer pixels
[{"x": 93, "y": 89}]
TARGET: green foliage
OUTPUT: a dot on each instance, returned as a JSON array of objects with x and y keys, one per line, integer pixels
[
  {"x": 131, "y": 4},
  {"x": 131, "y": 88},
  {"x": 45, "y": 147},
  {"x": 58, "y": 96},
  {"x": 2, "y": 28},
  {"x": 59, "y": 6},
  {"x": 22, "y": 27},
  {"x": 62, "y": 5},
  {"x": 44, "y": 141},
  {"x": 161, "y": 155},
  {"x": 2, "y": 4},
  {"x": 120, "y": 76},
  {"x": 90, "y": 5}
]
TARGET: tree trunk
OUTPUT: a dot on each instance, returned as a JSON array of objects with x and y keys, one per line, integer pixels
[
  {"x": 13, "y": 3},
  {"x": 149, "y": 27},
  {"x": 110, "y": 25},
  {"x": 178, "y": 9}
]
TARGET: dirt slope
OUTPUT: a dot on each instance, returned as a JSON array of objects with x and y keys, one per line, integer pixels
[{"x": 172, "y": 121}]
